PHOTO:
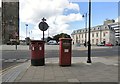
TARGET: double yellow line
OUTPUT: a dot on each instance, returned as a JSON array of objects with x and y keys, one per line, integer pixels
[{"x": 6, "y": 69}]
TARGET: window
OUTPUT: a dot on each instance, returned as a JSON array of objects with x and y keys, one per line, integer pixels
[
  {"x": 82, "y": 41},
  {"x": 92, "y": 40},
  {"x": 104, "y": 34},
  {"x": 82, "y": 35},
  {"x": 105, "y": 27},
  {"x": 96, "y": 40},
  {"x": 92, "y": 34},
  {"x": 96, "y": 34}
]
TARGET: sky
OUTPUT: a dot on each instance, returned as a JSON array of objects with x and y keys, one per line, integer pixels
[{"x": 63, "y": 16}]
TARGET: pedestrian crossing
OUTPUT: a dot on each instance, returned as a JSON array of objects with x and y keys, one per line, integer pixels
[{"x": 13, "y": 60}]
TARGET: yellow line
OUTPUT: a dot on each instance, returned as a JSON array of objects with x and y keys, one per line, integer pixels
[
  {"x": 2, "y": 71},
  {"x": 14, "y": 66}
]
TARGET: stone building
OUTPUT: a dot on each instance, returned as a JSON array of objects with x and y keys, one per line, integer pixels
[
  {"x": 116, "y": 27},
  {"x": 101, "y": 33},
  {"x": 10, "y": 20}
]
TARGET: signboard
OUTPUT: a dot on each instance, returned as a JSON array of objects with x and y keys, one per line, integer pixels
[{"x": 43, "y": 26}]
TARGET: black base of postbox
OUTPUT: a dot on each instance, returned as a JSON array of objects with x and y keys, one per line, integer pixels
[
  {"x": 38, "y": 62},
  {"x": 65, "y": 65}
]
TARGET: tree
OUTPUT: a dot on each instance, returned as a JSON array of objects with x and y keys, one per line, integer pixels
[
  {"x": 48, "y": 39},
  {"x": 62, "y": 35},
  {"x": 27, "y": 39}
]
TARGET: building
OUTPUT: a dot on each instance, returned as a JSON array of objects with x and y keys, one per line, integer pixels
[
  {"x": 116, "y": 27},
  {"x": 10, "y": 20},
  {"x": 101, "y": 33}
]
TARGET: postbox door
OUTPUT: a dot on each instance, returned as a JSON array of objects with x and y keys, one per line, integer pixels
[
  {"x": 65, "y": 52},
  {"x": 35, "y": 51},
  {"x": 41, "y": 50}
]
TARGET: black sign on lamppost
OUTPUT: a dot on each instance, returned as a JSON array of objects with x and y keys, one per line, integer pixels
[
  {"x": 43, "y": 26},
  {"x": 89, "y": 44}
]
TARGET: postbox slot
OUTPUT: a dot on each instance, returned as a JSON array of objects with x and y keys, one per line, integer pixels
[
  {"x": 66, "y": 45},
  {"x": 32, "y": 43},
  {"x": 39, "y": 43}
]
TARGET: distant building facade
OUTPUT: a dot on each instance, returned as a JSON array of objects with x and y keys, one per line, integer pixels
[
  {"x": 10, "y": 20},
  {"x": 116, "y": 27},
  {"x": 101, "y": 33}
]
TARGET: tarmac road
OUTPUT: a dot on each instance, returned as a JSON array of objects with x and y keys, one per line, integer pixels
[{"x": 14, "y": 57}]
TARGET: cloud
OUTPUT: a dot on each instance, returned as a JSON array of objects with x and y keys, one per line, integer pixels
[{"x": 32, "y": 12}]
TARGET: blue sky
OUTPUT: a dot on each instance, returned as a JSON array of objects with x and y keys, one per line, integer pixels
[
  {"x": 67, "y": 18},
  {"x": 100, "y": 12}
]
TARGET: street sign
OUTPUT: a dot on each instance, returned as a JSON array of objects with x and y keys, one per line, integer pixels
[{"x": 43, "y": 26}]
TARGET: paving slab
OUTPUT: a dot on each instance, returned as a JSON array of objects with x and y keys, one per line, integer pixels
[{"x": 98, "y": 71}]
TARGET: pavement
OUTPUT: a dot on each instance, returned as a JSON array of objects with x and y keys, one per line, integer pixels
[{"x": 100, "y": 70}]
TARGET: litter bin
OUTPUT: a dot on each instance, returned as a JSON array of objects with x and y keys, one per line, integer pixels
[
  {"x": 37, "y": 53},
  {"x": 65, "y": 51}
]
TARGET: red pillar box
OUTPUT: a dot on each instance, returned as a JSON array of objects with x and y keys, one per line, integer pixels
[
  {"x": 65, "y": 52},
  {"x": 37, "y": 53}
]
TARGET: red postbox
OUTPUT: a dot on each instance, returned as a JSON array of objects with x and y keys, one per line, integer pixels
[
  {"x": 37, "y": 53},
  {"x": 65, "y": 51}
]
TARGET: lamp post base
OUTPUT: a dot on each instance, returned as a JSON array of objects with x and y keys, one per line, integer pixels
[{"x": 89, "y": 61}]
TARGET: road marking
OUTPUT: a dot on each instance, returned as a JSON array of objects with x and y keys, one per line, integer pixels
[
  {"x": 21, "y": 60},
  {"x": 3, "y": 71},
  {"x": 10, "y": 60},
  {"x": 6, "y": 69},
  {"x": 13, "y": 60},
  {"x": 115, "y": 64},
  {"x": 95, "y": 51},
  {"x": 114, "y": 50}
]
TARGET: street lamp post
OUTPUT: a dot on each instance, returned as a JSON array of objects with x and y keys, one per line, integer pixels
[
  {"x": 89, "y": 44},
  {"x": 85, "y": 29},
  {"x": 26, "y": 29}
]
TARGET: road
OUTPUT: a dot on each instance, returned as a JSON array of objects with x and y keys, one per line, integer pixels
[{"x": 14, "y": 57}]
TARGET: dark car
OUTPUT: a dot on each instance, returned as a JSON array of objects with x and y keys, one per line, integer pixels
[{"x": 12, "y": 43}]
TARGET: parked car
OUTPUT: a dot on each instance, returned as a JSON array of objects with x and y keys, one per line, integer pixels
[
  {"x": 101, "y": 44},
  {"x": 12, "y": 43},
  {"x": 109, "y": 44},
  {"x": 52, "y": 42}
]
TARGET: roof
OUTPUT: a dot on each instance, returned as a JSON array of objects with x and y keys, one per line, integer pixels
[{"x": 95, "y": 28}]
